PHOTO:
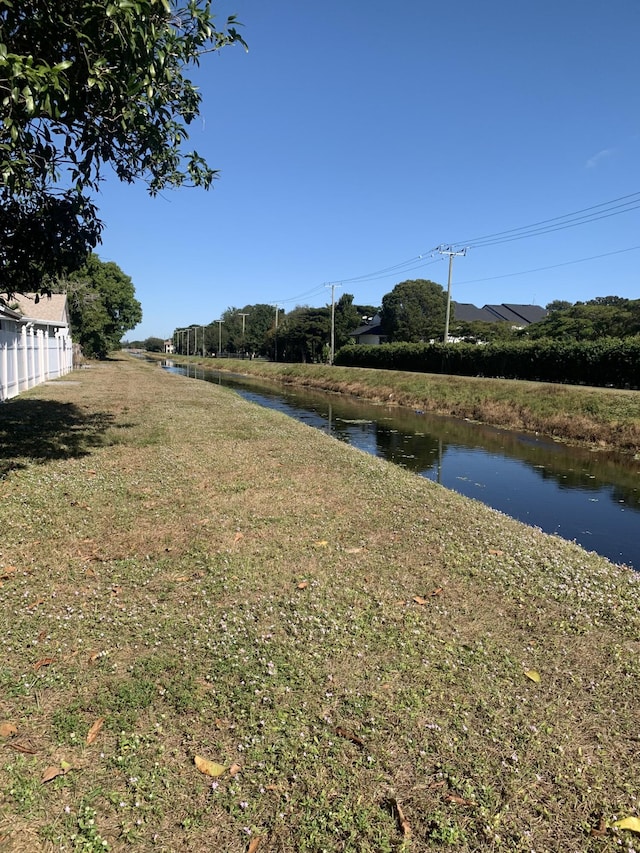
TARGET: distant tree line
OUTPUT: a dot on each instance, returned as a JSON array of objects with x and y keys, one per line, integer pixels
[
  {"x": 301, "y": 335},
  {"x": 412, "y": 312}
]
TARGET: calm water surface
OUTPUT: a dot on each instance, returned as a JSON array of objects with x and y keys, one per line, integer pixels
[{"x": 592, "y": 498}]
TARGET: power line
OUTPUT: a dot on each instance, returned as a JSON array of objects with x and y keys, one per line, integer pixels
[
  {"x": 603, "y": 210},
  {"x": 552, "y": 267},
  {"x": 557, "y": 223}
]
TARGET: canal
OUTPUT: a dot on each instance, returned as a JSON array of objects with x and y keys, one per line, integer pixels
[{"x": 590, "y": 497}]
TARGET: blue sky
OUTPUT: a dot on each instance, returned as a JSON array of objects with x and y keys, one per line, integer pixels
[{"x": 355, "y": 136}]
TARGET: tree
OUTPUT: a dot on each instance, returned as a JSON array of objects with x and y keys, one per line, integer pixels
[
  {"x": 102, "y": 306},
  {"x": 414, "y": 311},
  {"x": 84, "y": 85},
  {"x": 347, "y": 318},
  {"x": 604, "y": 316},
  {"x": 304, "y": 334}
]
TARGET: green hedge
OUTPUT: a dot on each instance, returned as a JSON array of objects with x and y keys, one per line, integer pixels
[{"x": 607, "y": 362}]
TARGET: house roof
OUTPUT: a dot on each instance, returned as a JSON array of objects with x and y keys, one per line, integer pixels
[
  {"x": 465, "y": 312},
  {"x": 373, "y": 327},
  {"x": 49, "y": 309},
  {"x": 518, "y": 315},
  {"x": 367, "y": 330},
  {"x": 529, "y": 313},
  {"x": 5, "y": 311}
]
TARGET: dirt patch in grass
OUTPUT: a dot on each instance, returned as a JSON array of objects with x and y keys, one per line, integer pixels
[{"x": 376, "y": 663}]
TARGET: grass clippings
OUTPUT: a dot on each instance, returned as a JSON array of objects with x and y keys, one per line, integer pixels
[{"x": 346, "y": 649}]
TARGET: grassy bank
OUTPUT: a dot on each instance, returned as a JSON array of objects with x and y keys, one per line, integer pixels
[
  {"x": 599, "y": 417},
  {"x": 365, "y": 661}
]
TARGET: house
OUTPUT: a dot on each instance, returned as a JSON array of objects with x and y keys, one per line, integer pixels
[
  {"x": 169, "y": 347},
  {"x": 49, "y": 312},
  {"x": 518, "y": 316},
  {"x": 465, "y": 312},
  {"x": 35, "y": 341},
  {"x": 369, "y": 333}
]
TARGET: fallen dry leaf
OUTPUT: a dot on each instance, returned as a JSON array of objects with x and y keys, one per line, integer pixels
[
  {"x": 303, "y": 584},
  {"x": 405, "y": 828},
  {"x": 35, "y": 604},
  {"x": 8, "y": 729},
  {"x": 235, "y": 769},
  {"x": 43, "y": 662},
  {"x": 209, "y": 768},
  {"x": 254, "y": 844},
  {"x": 419, "y": 599},
  {"x": 27, "y": 748},
  {"x": 349, "y": 736},
  {"x": 533, "y": 675},
  {"x": 93, "y": 657},
  {"x": 94, "y": 731},
  {"x": 437, "y": 591},
  {"x": 352, "y": 550},
  {"x": 51, "y": 773},
  {"x": 496, "y": 552},
  {"x": 599, "y": 830},
  {"x": 460, "y": 801},
  {"x": 321, "y": 543},
  {"x": 6, "y": 572},
  {"x": 238, "y": 537}
]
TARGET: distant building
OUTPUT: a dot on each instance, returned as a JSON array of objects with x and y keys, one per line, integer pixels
[
  {"x": 169, "y": 347},
  {"x": 369, "y": 333},
  {"x": 517, "y": 316}
]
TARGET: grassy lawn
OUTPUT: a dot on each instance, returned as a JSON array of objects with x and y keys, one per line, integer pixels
[
  {"x": 598, "y": 417},
  {"x": 223, "y": 630}
]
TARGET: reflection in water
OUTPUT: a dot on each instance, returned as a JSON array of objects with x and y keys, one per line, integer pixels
[{"x": 593, "y": 498}]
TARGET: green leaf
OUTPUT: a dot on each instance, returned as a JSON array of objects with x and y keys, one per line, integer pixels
[{"x": 631, "y": 823}]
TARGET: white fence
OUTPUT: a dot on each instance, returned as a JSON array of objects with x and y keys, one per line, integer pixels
[{"x": 30, "y": 355}]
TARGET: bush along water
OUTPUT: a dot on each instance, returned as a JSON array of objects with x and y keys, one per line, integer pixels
[{"x": 609, "y": 362}]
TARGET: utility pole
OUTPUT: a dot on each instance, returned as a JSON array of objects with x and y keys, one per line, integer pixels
[
  {"x": 447, "y": 250},
  {"x": 202, "y": 341},
  {"x": 219, "y": 322},
  {"x": 275, "y": 337},
  {"x": 332, "y": 347},
  {"x": 244, "y": 351}
]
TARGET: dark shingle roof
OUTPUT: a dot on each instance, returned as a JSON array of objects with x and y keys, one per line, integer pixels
[{"x": 465, "y": 312}]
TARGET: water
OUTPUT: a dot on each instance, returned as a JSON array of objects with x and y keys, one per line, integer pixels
[{"x": 590, "y": 497}]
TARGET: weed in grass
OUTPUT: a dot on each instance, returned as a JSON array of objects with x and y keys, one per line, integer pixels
[
  {"x": 23, "y": 786},
  {"x": 68, "y": 725},
  {"x": 87, "y": 838}
]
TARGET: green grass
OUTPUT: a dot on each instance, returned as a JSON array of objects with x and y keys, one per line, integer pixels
[{"x": 348, "y": 640}]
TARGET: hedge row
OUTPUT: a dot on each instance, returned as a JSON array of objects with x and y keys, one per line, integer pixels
[{"x": 608, "y": 362}]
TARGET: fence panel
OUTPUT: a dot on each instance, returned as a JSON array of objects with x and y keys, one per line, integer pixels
[{"x": 31, "y": 356}]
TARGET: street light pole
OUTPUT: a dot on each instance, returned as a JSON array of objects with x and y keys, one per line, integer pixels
[
  {"x": 275, "y": 337},
  {"x": 244, "y": 316},
  {"x": 332, "y": 346}
]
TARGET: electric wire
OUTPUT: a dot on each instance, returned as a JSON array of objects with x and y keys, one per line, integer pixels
[
  {"x": 557, "y": 223},
  {"x": 552, "y": 267}
]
